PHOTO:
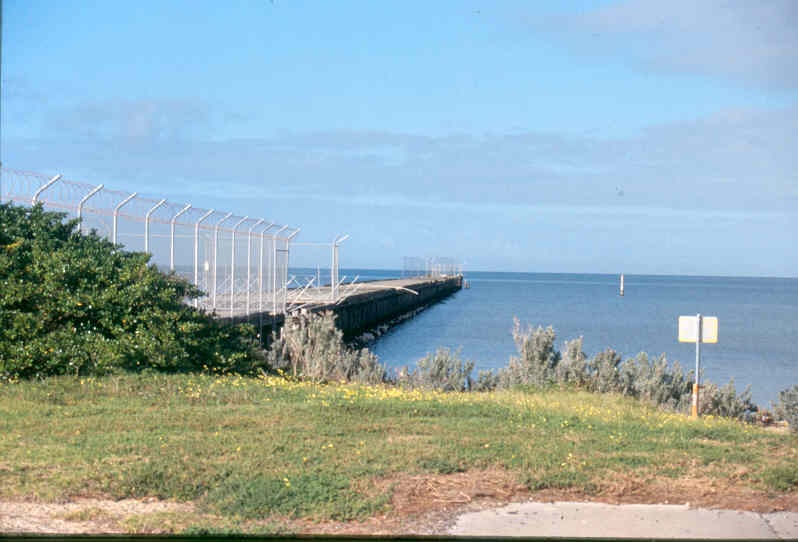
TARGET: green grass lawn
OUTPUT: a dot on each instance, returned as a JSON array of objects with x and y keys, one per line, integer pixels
[{"x": 260, "y": 448}]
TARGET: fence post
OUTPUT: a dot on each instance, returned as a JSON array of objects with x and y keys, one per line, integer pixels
[
  {"x": 260, "y": 267},
  {"x": 274, "y": 267},
  {"x": 196, "y": 251},
  {"x": 233, "y": 267},
  {"x": 44, "y": 187},
  {"x": 249, "y": 260},
  {"x": 287, "y": 260},
  {"x": 147, "y": 224},
  {"x": 116, "y": 214},
  {"x": 334, "y": 267},
  {"x": 83, "y": 201},
  {"x": 215, "y": 261},
  {"x": 172, "y": 236}
]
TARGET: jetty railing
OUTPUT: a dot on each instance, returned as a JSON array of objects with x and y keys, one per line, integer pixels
[
  {"x": 431, "y": 267},
  {"x": 240, "y": 263}
]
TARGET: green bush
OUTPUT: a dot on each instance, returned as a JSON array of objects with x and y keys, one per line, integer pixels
[
  {"x": 540, "y": 364},
  {"x": 572, "y": 370},
  {"x": 486, "y": 381},
  {"x": 537, "y": 357},
  {"x": 724, "y": 401},
  {"x": 653, "y": 381},
  {"x": 787, "y": 408},
  {"x": 604, "y": 372},
  {"x": 77, "y": 304},
  {"x": 443, "y": 370},
  {"x": 312, "y": 348}
]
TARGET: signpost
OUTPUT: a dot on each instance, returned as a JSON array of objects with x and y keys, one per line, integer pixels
[{"x": 697, "y": 329}]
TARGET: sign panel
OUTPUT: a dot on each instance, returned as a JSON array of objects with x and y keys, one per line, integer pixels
[{"x": 688, "y": 329}]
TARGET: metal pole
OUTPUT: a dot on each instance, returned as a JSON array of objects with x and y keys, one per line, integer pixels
[
  {"x": 274, "y": 267},
  {"x": 84, "y": 200},
  {"x": 233, "y": 267},
  {"x": 260, "y": 283},
  {"x": 249, "y": 257},
  {"x": 333, "y": 278},
  {"x": 215, "y": 243},
  {"x": 147, "y": 225},
  {"x": 697, "y": 384},
  {"x": 260, "y": 268},
  {"x": 287, "y": 260},
  {"x": 334, "y": 271},
  {"x": 116, "y": 213},
  {"x": 196, "y": 251},
  {"x": 44, "y": 187},
  {"x": 172, "y": 236}
]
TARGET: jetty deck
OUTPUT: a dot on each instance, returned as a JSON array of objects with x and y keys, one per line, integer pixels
[{"x": 363, "y": 306}]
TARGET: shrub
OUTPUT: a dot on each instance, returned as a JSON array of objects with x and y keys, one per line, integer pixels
[
  {"x": 537, "y": 359},
  {"x": 604, "y": 372},
  {"x": 787, "y": 408},
  {"x": 443, "y": 370},
  {"x": 572, "y": 369},
  {"x": 652, "y": 381},
  {"x": 724, "y": 401},
  {"x": 486, "y": 381},
  {"x": 539, "y": 364},
  {"x": 311, "y": 347},
  {"x": 72, "y": 303}
]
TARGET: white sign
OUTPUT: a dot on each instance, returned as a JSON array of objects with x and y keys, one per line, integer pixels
[{"x": 688, "y": 329}]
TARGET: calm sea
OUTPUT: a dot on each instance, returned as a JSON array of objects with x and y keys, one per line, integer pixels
[{"x": 758, "y": 321}]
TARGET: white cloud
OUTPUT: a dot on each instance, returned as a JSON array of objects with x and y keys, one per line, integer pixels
[
  {"x": 735, "y": 161},
  {"x": 750, "y": 41}
]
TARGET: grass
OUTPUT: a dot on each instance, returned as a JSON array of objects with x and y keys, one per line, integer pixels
[{"x": 264, "y": 448}]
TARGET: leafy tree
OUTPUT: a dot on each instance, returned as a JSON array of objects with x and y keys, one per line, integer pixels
[{"x": 77, "y": 304}]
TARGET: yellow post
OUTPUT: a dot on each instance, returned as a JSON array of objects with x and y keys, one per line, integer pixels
[{"x": 694, "y": 410}]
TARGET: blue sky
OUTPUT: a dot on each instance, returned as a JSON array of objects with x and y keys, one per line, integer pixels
[{"x": 642, "y": 136}]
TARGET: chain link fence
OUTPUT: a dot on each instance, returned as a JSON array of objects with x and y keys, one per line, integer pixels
[{"x": 240, "y": 263}]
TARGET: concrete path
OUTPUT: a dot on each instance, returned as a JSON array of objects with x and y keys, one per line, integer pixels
[{"x": 571, "y": 519}]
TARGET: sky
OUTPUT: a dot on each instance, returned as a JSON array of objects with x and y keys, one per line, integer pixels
[{"x": 600, "y": 137}]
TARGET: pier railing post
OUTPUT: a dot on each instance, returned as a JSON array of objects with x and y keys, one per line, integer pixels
[
  {"x": 274, "y": 267},
  {"x": 147, "y": 224},
  {"x": 196, "y": 251},
  {"x": 172, "y": 235},
  {"x": 116, "y": 215},
  {"x": 233, "y": 267},
  {"x": 83, "y": 201},
  {"x": 287, "y": 262},
  {"x": 334, "y": 270},
  {"x": 35, "y": 199},
  {"x": 249, "y": 260},
  {"x": 215, "y": 249}
]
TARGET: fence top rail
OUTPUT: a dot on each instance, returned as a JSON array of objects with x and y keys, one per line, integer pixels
[{"x": 20, "y": 186}]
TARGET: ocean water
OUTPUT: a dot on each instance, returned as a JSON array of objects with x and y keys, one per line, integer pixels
[{"x": 757, "y": 322}]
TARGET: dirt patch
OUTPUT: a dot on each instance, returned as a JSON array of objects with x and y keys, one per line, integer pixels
[
  {"x": 698, "y": 491},
  {"x": 79, "y": 516},
  {"x": 422, "y": 504},
  {"x": 428, "y": 504}
]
